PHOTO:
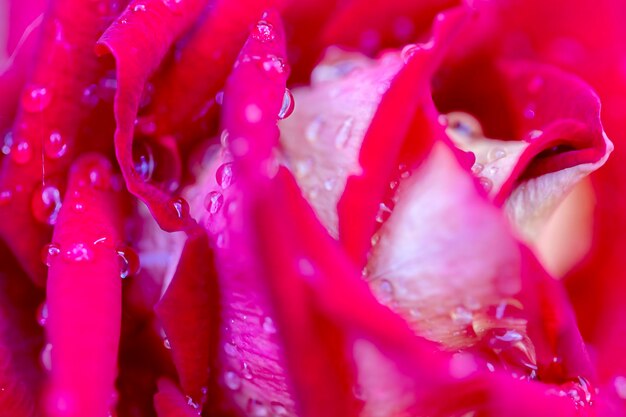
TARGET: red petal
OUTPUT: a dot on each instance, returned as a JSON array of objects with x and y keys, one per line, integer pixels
[
  {"x": 139, "y": 40},
  {"x": 189, "y": 313},
  {"x": 84, "y": 295}
]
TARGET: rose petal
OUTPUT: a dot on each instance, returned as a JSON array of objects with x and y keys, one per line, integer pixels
[
  {"x": 139, "y": 40},
  {"x": 188, "y": 311},
  {"x": 84, "y": 294},
  {"x": 170, "y": 402}
]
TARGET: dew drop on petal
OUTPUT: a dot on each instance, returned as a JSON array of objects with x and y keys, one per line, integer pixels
[
  {"x": 7, "y": 143},
  {"x": 344, "y": 133},
  {"x": 232, "y": 380},
  {"x": 384, "y": 291},
  {"x": 383, "y": 213},
  {"x": 181, "y": 207},
  {"x": 230, "y": 349},
  {"x": 90, "y": 95},
  {"x": 477, "y": 168},
  {"x": 21, "y": 152},
  {"x": 245, "y": 371},
  {"x": 5, "y": 197},
  {"x": 46, "y": 357},
  {"x": 620, "y": 386},
  {"x": 213, "y": 202},
  {"x": 139, "y": 8},
  {"x": 256, "y": 408},
  {"x": 496, "y": 153},
  {"x": 287, "y": 106},
  {"x": 314, "y": 128},
  {"x": 268, "y": 325},
  {"x": 42, "y": 314},
  {"x": 224, "y": 175},
  {"x": 46, "y": 204},
  {"x": 461, "y": 315},
  {"x": 36, "y": 98},
  {"x": 174, "y": 5},
  {"x": 263, "y": 32},
  {"x": 49, "y": 252},
  {"x": 485, "y": 183},
  {"x": 129, "y": 261},
  {"x": 219, "y": 97},
  {"x": 55, "y": 146},
  {"x": 143, "y": 160},
  {"x": 278, "y": 409},
  {"x": 167, "y": 344},
  {"x": 78, "y": 252}
]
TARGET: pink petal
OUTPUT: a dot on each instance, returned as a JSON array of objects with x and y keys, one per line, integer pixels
[{"x": 84, "y": 294}]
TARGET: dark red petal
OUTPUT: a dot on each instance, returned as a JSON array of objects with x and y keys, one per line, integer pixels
[
  {"x": 139, "y": 39},
  {"x": 84, "y": 291},
  {"x": 407, "y": 99},
  {"x": 21, "y": 339},
  {"x": 189, "y": 314}
]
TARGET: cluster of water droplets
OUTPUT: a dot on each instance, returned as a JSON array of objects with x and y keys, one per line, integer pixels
[{"x": 80, "y": 252}]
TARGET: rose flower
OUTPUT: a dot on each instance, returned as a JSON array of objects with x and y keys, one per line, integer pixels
[{"x": 312, "y": 208}]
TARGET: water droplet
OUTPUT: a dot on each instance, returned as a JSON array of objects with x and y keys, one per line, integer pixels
[
  {"x": 461, "y": 315},
  {"x": 224, "y": 138},
  {"x": 329, "y": 184},
  {"x": 191, "y": 403},
  {"x": 268, "y": 325},
  {"x": 529, "y": 112},
  {"x": 224, "y": 175},
  {"x": 304, "y": 167},
  {"x": 36, "y": 98},
  {"x": 7, "y": 143},
  {"x": 534, "y": 134},
  {"x": 273, "y": 63},
  {"x": 314, "y": 128},
  {"x": 129, "y": 261},
  {"x": 344, "y": 133},
  {"x": 55, "y": 145},
  {"x": 485, "y": 183},
  {"x": 375, "y": 239},
  {"x": 230, "y": 349},
  {"x": 263, "y": 32},
  {"x": 49, "y": 252},
  {"x": 90, "y": 95},
  {"x": 384, "y": 290},
  {"x": 139, "y": 8},
  {"x": 78, "y": 252},
  {"x": 620, "y": 386},
  {"x": 383, "y": 213},
  {"x": 46, "y": 357},
  {"x": 219, "y": 97},
  {"x": 143, "y": 160},
  {"x": 278, "y": 409},
  {"x": 287, "y": 106},
  {"x": 496, "y": 153},
  {"x": 305, "y": 267},
  {"x": 42, "y": 314},
  {"x": 477, "y": 168},
  {"x": 408, "y": 52},
  {"x": 167, "y": 344},
  {"x": 213, "y": 202},
  {"x": 232, "y": 380},
  {"x": 21, "y": 152},
  {"x": 181, "y": 207},
  {"x": 256, "y": 408},
  {"x": 245, "y": 371},
  {"x": 174, "y": 5},
  {"x": 46, "y": 204},
  {"x": 253, "y": 113},
  {"x": 5, "y": 197}
]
